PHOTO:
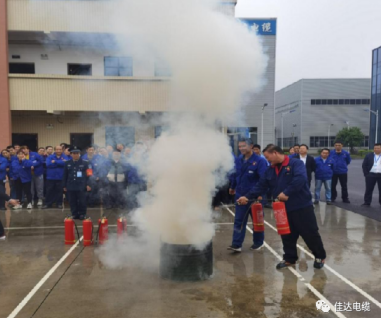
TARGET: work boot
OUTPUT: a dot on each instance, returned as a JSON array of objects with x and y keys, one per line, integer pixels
[
  {"x": 366, "y": 205},
  {"x": 255, "y": 247},
  {"x": 235, "y": 248},
  {"x": 319, "y": 263},
  {"x": 346, "y": 201},
  {"x": 284, "y": 264}
]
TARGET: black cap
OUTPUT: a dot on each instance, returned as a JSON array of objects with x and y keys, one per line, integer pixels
[{"x": 75, "y": 150}]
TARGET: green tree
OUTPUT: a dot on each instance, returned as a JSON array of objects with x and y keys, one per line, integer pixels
[{"x": 351, "y": 137}]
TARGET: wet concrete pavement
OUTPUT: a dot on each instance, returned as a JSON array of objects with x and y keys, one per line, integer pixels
[
  {"x": 356, "y": 189},
  {"x": 243, "y": 285}
]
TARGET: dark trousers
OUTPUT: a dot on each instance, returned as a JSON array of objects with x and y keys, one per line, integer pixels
[
  {"x": 2, "y": 191},
  {"x": 23, "y": 188},
  {"x": 77, "y": 200},
  {"x": 302, "y": 223},
  {"x": 2, "y": 232},
  {"x": 12, "y": 184},
  {"x": 93, "y": 197},
  {"x": 116, "y": 195},
  {"x": 343, "y": 178},
  {"x": 53, "y": 192},
  {"x": 242, "y": 213},
  {"x": 133, "y": 190},
  {"x": 370, "y": 182}
]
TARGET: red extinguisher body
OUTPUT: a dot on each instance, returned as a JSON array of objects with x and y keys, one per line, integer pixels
[
  {"x": 69, "y": 231},
  {"x": 281, "y": 218},
  {"x": 121, "y": 227},
  {"x": 258, "y": 220},
  {"x": 103, "y": 231},
  {"x": 87, "y": 232}
]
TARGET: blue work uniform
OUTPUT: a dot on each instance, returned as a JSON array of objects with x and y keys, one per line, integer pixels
[
  {"x": 54, "y": 175},
  {"x": 340, "y": 173},
  {"x": 323, "y": 175},
  {"x": 4, "y": 165},
  {"x": 75, "y": 180},
  {"x": 247, "y": 174},
  {"x": 290, "y": 177}
]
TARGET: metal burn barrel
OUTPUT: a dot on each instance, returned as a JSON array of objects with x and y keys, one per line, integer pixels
[{"x": 181, "y": 262}]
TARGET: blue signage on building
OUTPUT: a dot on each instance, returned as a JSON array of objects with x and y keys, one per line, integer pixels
[{"x": 262, "y": 26}]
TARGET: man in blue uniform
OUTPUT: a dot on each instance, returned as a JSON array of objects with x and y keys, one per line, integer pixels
[
  {"x": 76, "y": 183},
  {"x": 37, "y": 174},
  {"x": 323, "y": 175},
  {"x": 287, "y": 179},
  {"x": 55, "y": 165},
  {"x": 341, "y": 159},
  {"x": 248, "y": 169}
]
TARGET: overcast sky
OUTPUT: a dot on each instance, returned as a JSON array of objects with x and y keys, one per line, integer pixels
[{"x": 320, "y": 38}]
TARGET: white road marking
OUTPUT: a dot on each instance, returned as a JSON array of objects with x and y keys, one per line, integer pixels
[
  {"x": 35, "y": 289},
  {"x": 309, "y": 286}
]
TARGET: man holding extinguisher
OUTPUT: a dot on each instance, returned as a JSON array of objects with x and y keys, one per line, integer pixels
[
  {"x": 287, "y": 179},
  {"x": 249, "y": 167}
]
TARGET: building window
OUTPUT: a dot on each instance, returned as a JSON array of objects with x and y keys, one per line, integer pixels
[
  {"x": 374, "y": 56},
  {"x": 79, "y": 69},
  {"x": 21, "y": 68},
  {"x": 322, "y": 141},
  {"x": 345, "y": 101},
  {"x": 366, "y": 142},
  {"x": 118, "y": 66}
]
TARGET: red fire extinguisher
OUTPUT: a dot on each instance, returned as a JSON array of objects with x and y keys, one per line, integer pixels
[
  {"x": 69, "y": 231},
  {"x": 257, "y": 214},
  {"x": 281, "y": 218},
  {"x": 89, "y": 171},
  {"x": 102, "y": 230},
  {"x": 121, "y": 227},
  {"x": 87, "y": 232}
]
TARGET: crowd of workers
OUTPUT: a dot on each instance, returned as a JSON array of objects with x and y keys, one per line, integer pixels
[
  {"x": 105, "y": 174},
  {"x": 273, "y": 175},
  {"x": 111, "y": 176}
]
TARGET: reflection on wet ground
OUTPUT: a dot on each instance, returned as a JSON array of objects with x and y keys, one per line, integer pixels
[{"x": 243, "y": 285}]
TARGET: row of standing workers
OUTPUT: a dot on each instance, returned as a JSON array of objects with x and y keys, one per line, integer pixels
[{"x": 107, "y": 176}]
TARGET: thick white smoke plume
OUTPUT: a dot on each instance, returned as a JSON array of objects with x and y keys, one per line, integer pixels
[{"x": 214, "y": 61}]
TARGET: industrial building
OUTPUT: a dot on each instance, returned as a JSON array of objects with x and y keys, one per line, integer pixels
[
  {"x": 313, "y": 111},
  {"x": 374, "y": 130},
  {"x": 65, "y": 82}
]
